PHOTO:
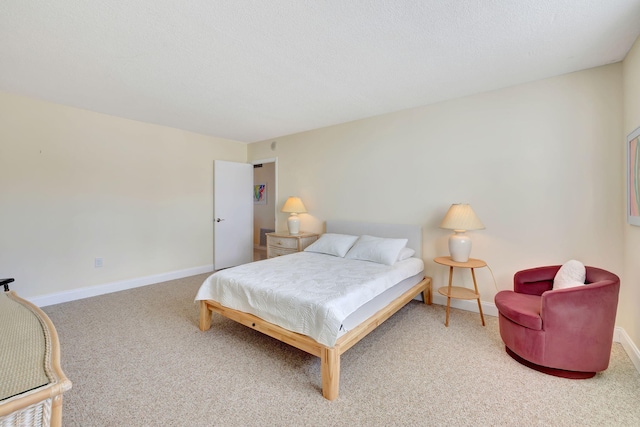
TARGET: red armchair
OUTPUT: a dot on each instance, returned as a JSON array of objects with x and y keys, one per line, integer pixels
[{"x": 563, "y": 332}]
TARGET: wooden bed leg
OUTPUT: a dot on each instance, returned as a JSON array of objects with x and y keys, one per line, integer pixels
[
  {"x": 426, "y": 294},
  {"x": 330, "y": 368},
  {"x": 205, "y": 316}
]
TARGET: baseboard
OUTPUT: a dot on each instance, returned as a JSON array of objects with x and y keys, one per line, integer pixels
[
  {"x": 620, "y": 335},
  {"x": 106, "y": 288},
  {"x": 468, "y": 305},
  {"x": 490, "y": 309}
]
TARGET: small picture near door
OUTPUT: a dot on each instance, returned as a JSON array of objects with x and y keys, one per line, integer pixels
[{"x": 260, "y": 194}]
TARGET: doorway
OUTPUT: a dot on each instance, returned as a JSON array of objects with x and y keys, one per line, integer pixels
[{"x": 264, "y": 205}]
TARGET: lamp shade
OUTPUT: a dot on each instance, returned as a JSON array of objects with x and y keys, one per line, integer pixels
[
  {"x": 294, "y": 205},
  {"x": 461, "y": 217}
]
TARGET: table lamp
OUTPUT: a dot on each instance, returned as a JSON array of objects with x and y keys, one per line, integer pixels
[
  {"x": 460, "y": 218},
  {"x": 294, "y": 206}
]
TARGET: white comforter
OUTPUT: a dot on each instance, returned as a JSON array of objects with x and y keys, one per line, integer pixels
[{"x": 305, "y": 292}]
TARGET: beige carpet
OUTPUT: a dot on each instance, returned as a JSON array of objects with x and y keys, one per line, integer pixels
[{"x": 137, "y": 358}]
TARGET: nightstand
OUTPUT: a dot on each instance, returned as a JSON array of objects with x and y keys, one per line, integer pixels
[
  {"x": 283, "y": 243},
  {"x": 459, "y": 292}
]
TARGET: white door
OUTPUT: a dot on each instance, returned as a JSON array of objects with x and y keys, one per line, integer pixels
[{"x": 232, "y": 214}]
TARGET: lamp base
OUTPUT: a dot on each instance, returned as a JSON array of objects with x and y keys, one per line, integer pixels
[
  {"x": 459, "y": 246},
  {"x": 293, "y": 224}
]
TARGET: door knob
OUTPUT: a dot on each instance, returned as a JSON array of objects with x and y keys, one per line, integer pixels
[{"x": 219, "y": 219}]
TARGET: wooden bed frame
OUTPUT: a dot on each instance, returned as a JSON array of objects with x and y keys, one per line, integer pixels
[{"x": 330, "y": 356}]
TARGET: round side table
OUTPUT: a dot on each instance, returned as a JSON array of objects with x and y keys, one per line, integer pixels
[{"x": 460, "y": 292}]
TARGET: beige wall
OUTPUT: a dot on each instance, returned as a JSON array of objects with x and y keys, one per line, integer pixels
[
  {"x": 629, "y": 314},
  {"x": 539, "y": 163},
  {"x": 76, "y": 185}
]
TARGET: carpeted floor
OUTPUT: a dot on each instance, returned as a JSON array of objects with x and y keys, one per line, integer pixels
[{"x": 137, "y": 358}]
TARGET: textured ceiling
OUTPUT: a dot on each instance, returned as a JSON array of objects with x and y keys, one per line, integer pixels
[{"x": 254, "y": 70}]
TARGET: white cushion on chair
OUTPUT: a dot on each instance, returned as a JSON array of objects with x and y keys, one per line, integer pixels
[{"x": 572, "y": 273}]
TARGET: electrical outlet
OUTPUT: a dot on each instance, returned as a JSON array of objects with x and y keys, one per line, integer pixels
[{"x": 97, "y": 263}]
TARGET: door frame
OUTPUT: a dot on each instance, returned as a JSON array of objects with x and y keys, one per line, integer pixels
[{"x": 275, "y": 166}]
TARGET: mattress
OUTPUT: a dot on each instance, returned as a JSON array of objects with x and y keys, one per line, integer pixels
[
  {"x": 378, "y": 303},
  {"x": 309, "y": 293}
]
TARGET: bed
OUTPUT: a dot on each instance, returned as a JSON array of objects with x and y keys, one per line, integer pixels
[{"x": 351, "y": 294}]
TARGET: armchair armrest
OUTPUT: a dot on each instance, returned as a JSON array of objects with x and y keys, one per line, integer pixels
[
  {"x": 535, "y": 281},
  {"x": 595, "y": 274},
  {"x": 589, "y": 308}
]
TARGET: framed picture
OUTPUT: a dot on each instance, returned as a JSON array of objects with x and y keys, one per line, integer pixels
[
  {"x": 260, "y": 194},
  {"x": 633, "y": 177}
]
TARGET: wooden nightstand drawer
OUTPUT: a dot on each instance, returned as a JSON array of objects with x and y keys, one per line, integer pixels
[
  {"x": 284, "y": 243},
  {"x": 274, "y": 251}
]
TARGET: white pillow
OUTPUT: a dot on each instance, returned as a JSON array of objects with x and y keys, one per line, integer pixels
[
  {"x": 377, "y": 249},
  {"x": 405, "y": 253},
  {"x": 572, "y": 273},
  {"x": 332, "y": 244}
]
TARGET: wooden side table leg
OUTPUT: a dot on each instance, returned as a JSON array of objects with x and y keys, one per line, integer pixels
[
  {"x": 475, "y": 286},
  {"x": 446, "y": 323}
]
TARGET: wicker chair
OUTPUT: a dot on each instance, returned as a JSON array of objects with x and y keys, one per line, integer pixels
[{"x": 31, "y": 380}]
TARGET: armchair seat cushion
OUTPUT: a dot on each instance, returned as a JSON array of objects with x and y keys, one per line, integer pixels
[{"x": 522, "y": 309}]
